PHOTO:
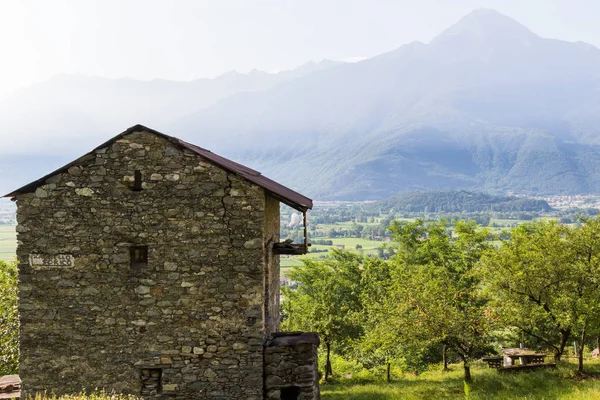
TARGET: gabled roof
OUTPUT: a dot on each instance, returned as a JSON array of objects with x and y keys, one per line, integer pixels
[{"x": 280, "y": 192}]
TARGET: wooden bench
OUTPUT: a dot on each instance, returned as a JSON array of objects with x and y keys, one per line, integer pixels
[
  {"x": 526, "y": 367},
  {"x": 537, "y": 359},
  {"x": 494, "y": 362}
]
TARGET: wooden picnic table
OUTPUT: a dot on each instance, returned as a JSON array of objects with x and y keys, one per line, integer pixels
[
  {"x": 526, "y": 358},
  {"x": 518, "y": 359}
]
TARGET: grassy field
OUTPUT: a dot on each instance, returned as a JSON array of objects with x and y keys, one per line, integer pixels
[
  {"x": 561, "y": 384},
  {"x": 8, "y": 242},
  {"x": 93, "y": 396}
]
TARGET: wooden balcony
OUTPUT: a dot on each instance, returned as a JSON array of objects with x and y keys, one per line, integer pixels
[
  {"x": 287, "y": 247},
  {"x": 290, "y": 248}
]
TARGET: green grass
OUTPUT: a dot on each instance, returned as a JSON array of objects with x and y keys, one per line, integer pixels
[
  {"x": 506, "y": 222},
  {"x": 487, "y": 384},
  {"x": 101, "y": 395},
  {"x": 8, "y": 242},
  {"x": 351, "y": 243}
]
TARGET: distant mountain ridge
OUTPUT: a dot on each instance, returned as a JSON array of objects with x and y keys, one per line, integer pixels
[
  {"x": 67, "y": 102},
  {"x": 73, "y": 113},
  {"x": 487, "y": 104}
]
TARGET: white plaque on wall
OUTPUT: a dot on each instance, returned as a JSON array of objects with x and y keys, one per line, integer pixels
[{"x": 45, "y": 261}]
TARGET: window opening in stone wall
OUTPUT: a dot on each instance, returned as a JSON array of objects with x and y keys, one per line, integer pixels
[
  {"x": 290, "y": 393},
  {"x": 137, "y": 180},
  {"x": 151, "y": 381},
  {"x": 138, "y": 257}
]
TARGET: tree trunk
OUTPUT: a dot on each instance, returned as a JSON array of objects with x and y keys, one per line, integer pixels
[
  {"x": 328, "y": 370},
  {"x": 598, "y": 343},
  {"x": 444, "y": 357},
  {"x": 564, "y": 338},
  {"x": 389, "y": 377},
  {"x": 580, "y": 355},
  {"x": 467, "y": 368}
]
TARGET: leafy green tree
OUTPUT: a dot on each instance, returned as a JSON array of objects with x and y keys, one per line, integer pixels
[
  {"x": 435, "y": 289},
  {"x": 9, "y": 320},
  {"x": 546, "y": 280},
  {"x": 543, "y": 281},
  {"x": 584, "y": 243},
  {"x": 327, "y": 300},
  {"x": 384, "y": 341},
  {"x": 380, "y": 342}
]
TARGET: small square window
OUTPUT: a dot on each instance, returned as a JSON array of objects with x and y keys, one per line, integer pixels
[
  {"x": 151, "y": 381},
  {"x": 138, "y": 256},
  {"x": 290, "y": 393},
  {"x": 137, "y": 180}
]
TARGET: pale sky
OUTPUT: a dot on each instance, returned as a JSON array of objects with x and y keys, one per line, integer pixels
[{"x": 187, "y": 39}]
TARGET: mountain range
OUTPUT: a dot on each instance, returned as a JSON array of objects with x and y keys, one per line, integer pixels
[{"x": 486, "y": 105}]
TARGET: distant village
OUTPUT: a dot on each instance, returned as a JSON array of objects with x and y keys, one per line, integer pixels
[{"x": 576, "y": 201}]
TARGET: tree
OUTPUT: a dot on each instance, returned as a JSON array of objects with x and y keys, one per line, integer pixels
[
  {"x": 544, "y": 279},
  {"x": 380, "y": 344},
  {"x": 547, "y": 282},
  {"x": 327, "y": 300},
  {"x": 435, "y": 289},
  {"x": 584, "y": 243},
  {"x": 9, "y": 320}
]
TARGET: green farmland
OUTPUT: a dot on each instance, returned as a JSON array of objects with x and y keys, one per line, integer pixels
[
  {"x": 369, "y": 247},
  {"x": 8, "y": 242}
]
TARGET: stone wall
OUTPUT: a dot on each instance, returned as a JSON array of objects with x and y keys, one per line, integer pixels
[
  {"x": 192, "y": 316},
  {"x": 271, "y": 272},
  {"x": 291, "y": 366}
]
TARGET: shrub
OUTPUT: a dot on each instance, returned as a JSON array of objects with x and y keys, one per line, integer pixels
[{"x": 9, "y": 319}]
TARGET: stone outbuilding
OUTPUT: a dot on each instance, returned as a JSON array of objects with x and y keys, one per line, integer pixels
[{"x": 150, "y": 266}]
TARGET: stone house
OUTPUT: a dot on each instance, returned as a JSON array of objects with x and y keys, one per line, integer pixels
[{"x": 150, "y": 266}]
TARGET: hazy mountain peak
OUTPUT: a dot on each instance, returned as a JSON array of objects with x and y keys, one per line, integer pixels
[
  {"x": 231, "y": 74},
  {"x": 486, "y": 104},
  {"x": 483, "y": 25},
  {"x": 257, "y": 72},
  {"x": 311, "y": 66}
]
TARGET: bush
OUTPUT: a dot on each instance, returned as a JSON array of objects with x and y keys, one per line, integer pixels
[
  {"x": 9, "y": 319},
  {"x": 323, "y": 242}
]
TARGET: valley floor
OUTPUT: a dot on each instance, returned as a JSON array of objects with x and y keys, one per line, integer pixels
[
  {"x": 8, "y": 242},
  {"x": 561, "y": 384}
]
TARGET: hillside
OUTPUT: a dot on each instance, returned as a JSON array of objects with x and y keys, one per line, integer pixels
[
  {"x": 456, "y": 202},
  {"x": 487, "y": 104}
]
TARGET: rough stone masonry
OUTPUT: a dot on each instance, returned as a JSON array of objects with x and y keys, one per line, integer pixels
[{"x": 146, "y": 268}]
